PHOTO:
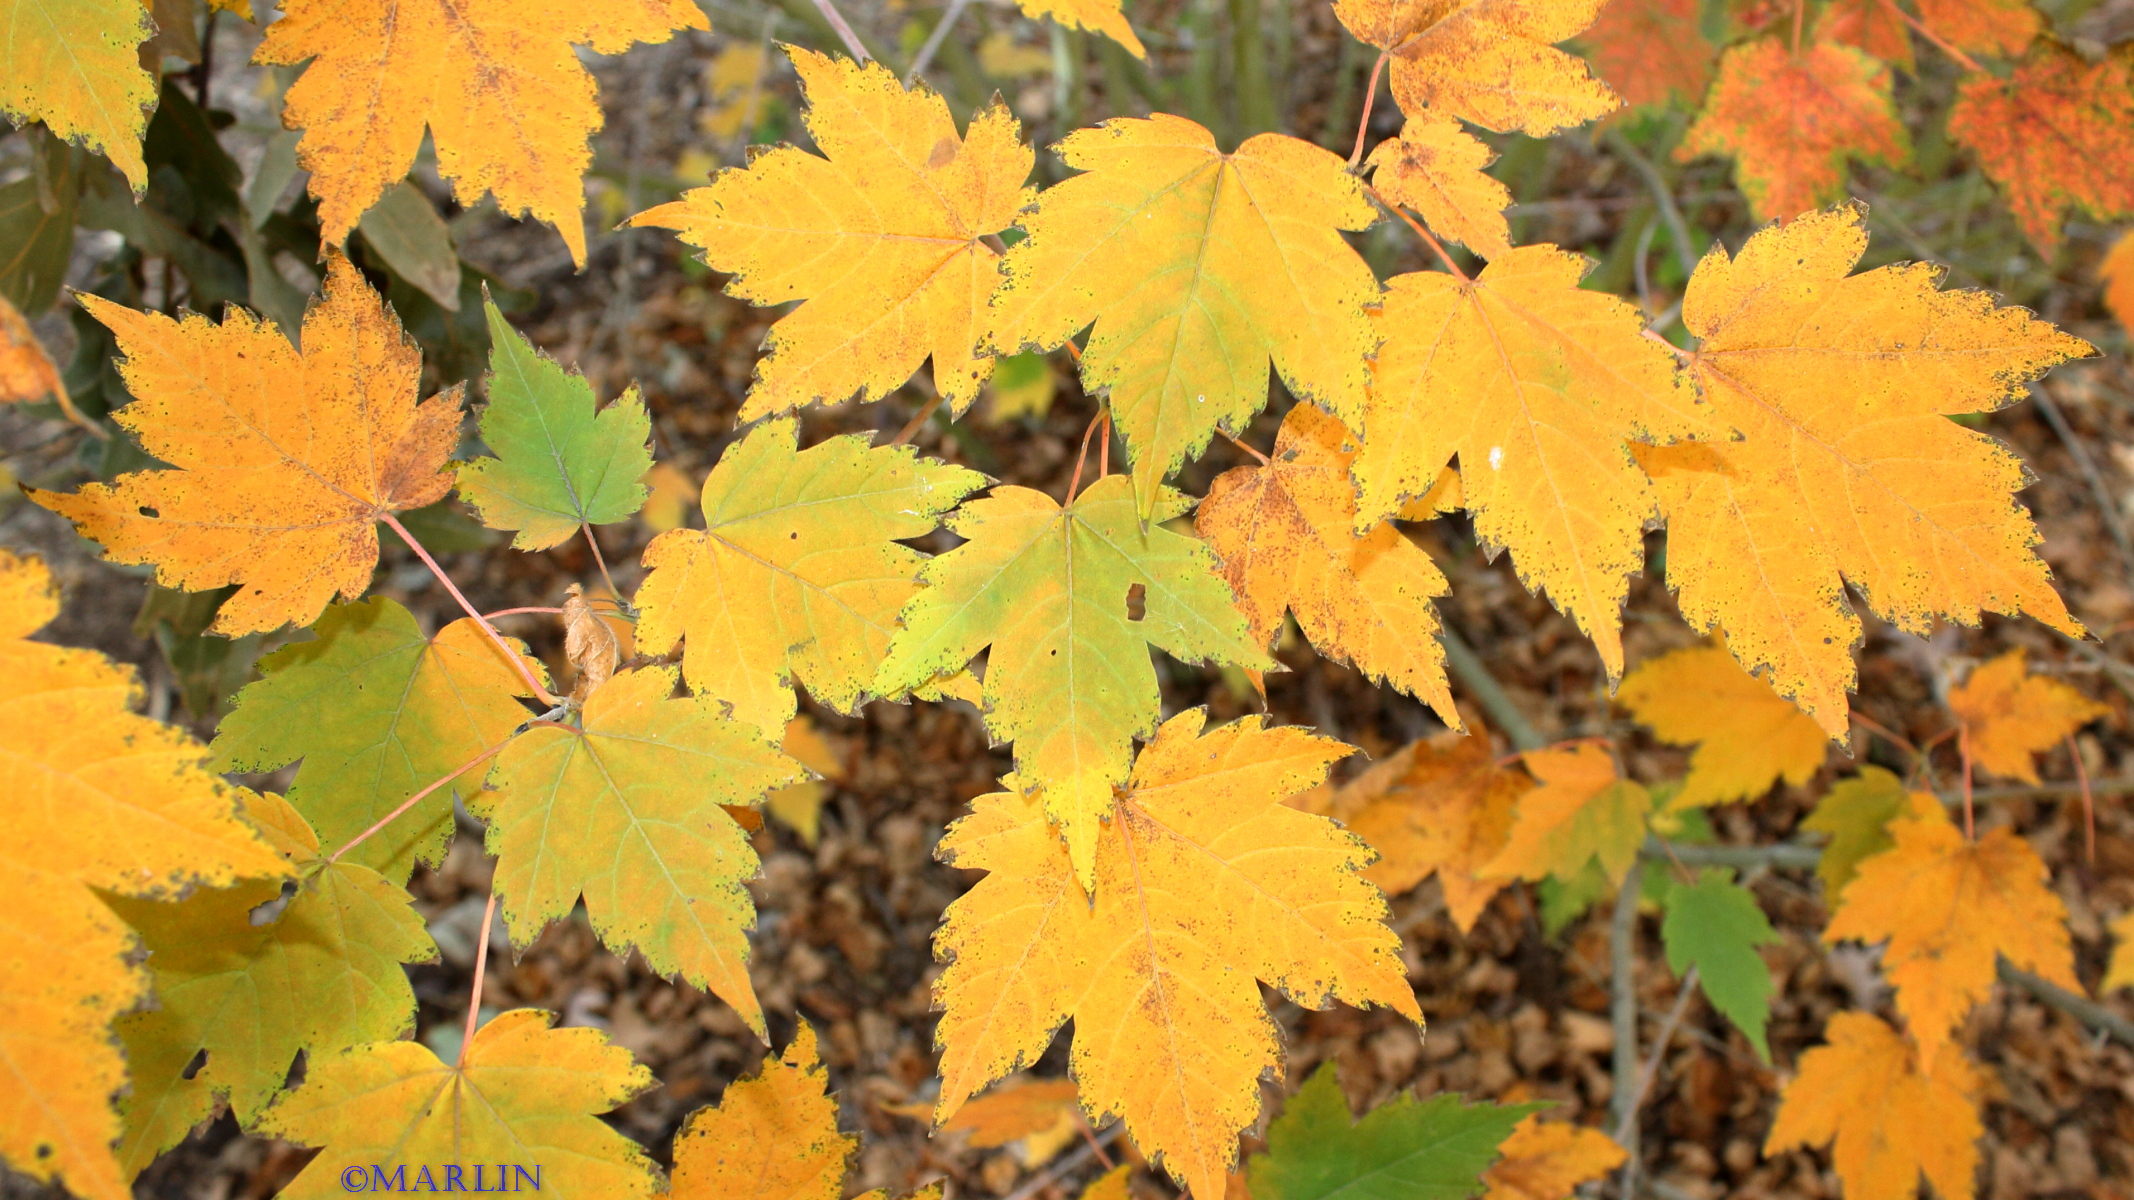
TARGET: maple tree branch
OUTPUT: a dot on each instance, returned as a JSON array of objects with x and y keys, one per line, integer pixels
[
  {"x": 1653, "y": 1062},
  {"x": 600, "y": 561},
  {"x": 1920, "y": 27},
  {"x": 1662, "y": 196},
  {"x": 1792, "y": 856},
  {"x": 1370, "y": 97},
  {"x": 517, "y": 664},
  {"x": 1426, "y": 235},
  {"x": 481, "y": 968},
  {"x": 416, "y": 799},
  {"x": 2081, "y": 1008},
  {"x": 933, "y": 41},
  {"x": 1504, "y": 716},
  {"x": 2089, "y": 802},
  {"x": 1623, "y": 1015},
  {"x": 843, "y": 30}
]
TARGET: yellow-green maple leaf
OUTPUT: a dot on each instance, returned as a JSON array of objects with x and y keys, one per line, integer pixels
[
  {"x": 1583, "y": 811},
  {"x": 881, "y": 237},
  {"x": 74, "y": 65},
  {"x": 1069, "y": 679},
  {"x": 1197, "y": 268}
]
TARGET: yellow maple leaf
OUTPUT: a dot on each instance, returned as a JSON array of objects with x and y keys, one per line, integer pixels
[
  {"x": 1234, "y": 260},
  {"x": 1115, "y": 1184},
  {"x": 799, "y": 806},
  {"x": 2009, "y": 714},
  {"x": 2119, "y": 972},
  {"x": 26, "y": 371},
  {"x": 283, "y": 461},
  {"x": 1583, "y": 811},
  {"x": 1101, "y": 16},
  {"x": 1947, "y": 907},
  {"x": 498, "y": 83},
  {"x": 1205, "y": 883},
  {"x": 1491, "y": 62},
  {"x": 669, "y": 493},
  {"x": 72, "y": 64},
  {"x": 1747, "y": 736},
  {"x": 625, "y": 811},
  {"x": 1039, "y": 1116},
  {"x": 1436, "y": 168},
  {"x": 1548, "y": 1161},
  {"x": 100, "y": 799},
  {"x": 1284, "y": 532},
  {"x": 1537, "y": 387},
  {"x": 880, "y": 236},
  {"x": 1848, "y": 467},
  {"x": 1887, "y": 1118},
  {"x": 1439, "y": 806},
  {"x": 521, "y": 1095}
]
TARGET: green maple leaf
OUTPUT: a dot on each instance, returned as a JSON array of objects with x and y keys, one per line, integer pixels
[
  {"x": 1405, "y": 1149},
  {"x": 1715, "y": 925},
  {"x": 560, "y": 461}
]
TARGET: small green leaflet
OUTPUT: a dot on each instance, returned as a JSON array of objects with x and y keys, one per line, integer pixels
[
  {"x": 1715, "y": 925},
  {"x": 1405, "y": 1149},
  {"x": 558, "y": 462}
]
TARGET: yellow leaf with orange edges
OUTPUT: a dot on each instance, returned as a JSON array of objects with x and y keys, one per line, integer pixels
[
  {"x": 2009, "y": 714},
  {"x": 1284, "y": 533},
  {"x": 1490, "y": 62},
  {"x": 73, "y": 64},
  {"x": 1848, "y": 468},
  {"x": 1099, "y": 16},
  {"x": 2057, "y": 136},
  {"x": 1791, "y": 121},
  {"x": 1651, "y": 51},
  {"x": 1537, "y": 386},
  {"x": 1206, "y": 884},
  {"x": 1197, "y": 269},
  {"x": 1747, "y": 737},
  {"x": 881, "y": 237},
  {"x": 2119, "y": 972},
  {"x": 26, "y": 371},
  {"x": 1549, "y": 1161},
  {"x": 1946, "y": 906},
  {"x": 498, "y": 84},
  {"x": 1437, "y": 168},
  {"x": 100, "y": 800},
  {"x": 1886, "y": 1118},
  {"x": 282, "y": 461},
  {"x": 521, "y": 1094},
  {"x": 1439, "y": 806},
  {"x": 1583, "y": 812}
]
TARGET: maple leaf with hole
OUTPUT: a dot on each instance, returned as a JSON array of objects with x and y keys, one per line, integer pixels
[
  {"x": 1548, "y": 1161},
  {"x": 556, "y": 462},
  {"x": 282, "y": 461},
  {"x": 625, "y": 810},
  {"x": 323, "y": 974},
  {"x": 1536, "y": 386},
  {"x": 1402, "y": 1149},
  {"x": 521, "y": 1093},
  {"x": 1237, "y": 260},
  {"x": 2009, "y": 715},
  {"x": 1068, "y": 678},
  {"x": 1436, "y": 168},
  {"x": 498, "y": 83},
  {"x": 1651, "y": 51},
  {"x": 74, "y": 65},
  {"x": 101, "y": 802},
  {"x": 1887, "y": 1119},
  {"x": 1284, "y": 533},
  {"x": 1490, "y": 62},
  {"x": 1583, "y": 811},
  {"x": 1791, "y": 121},
  {"x": 880, "y": 237},
  {"x": 1848, "y": 468},
  {"x": 1947, "y": 906},
  {"x": 797, "y": 576},
  {"x": 1099, "y": 16},
  {"x": 1747, "y": 737},
  {"x": 1856, "y": 813},
  {"x": 1205, "y": 883},
  {"x": 2057, "y": 136},
  {"x": 373, "y": 711},
  {"x": 1439, "y": 806}
]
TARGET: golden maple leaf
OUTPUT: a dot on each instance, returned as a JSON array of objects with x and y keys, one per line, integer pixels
[
  {"x": 880, "y": 236},
  {"x": 282, "y": 461},
  {"x": 2008, "y": 715},
  {"x": 1284, "y": 532},
  {"x": 1101, "y": 16},
  {"x": 100, "y": 800},
  {"x": 1439, "y": 806},
  {"x": 1848, "y": 467},
  {"x": 2119, "y": 972},
  {"x": 72, "y": 64},
  {"x": 1947, "y": 906},
  {"x": 1042, "y": 1114},
  {"x": 1549, "y": 1161},
  {"x": 1491, "y": 62},
  {"x": 1235, "y": 260},
  {"x": 1205, "y": 883},
  {"x": 2057, "y": 135},
  {"x": 1536, "y": 386},
  {"x": 1747, "y": 736},
  {"x": 1887, "y": 1118},
  {"x": 1436, "y": 168},
  {"x": 1582, "y": 812},
  {"x": 1791, "y": 120},
  {"x": 498, "y": 83}
]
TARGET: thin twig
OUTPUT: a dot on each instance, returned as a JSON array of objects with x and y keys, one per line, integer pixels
[
  {"x": 1790, "y": 856},
  {"x": 1067, "y": 1164},
  {"x": 912, "y": 427},
  {"x": 1370, "y": 97},
  {"x": 1654, "y": 1061},
  {"x": 1241, "y": 444},
  {"x": 513, "y": 612},
  {"x": 1963, "y": 751},
  {"x": 2099, "y": 490},
  {"x": 1081, "y": 457},
  {"x": 2089, "y": 1012},
  {"x": 1623, "y": 1016},
  {"x": 1662, "y": 196},
  {"x": 600, "y": 561},
  {"x": 1428, "y": 238},
  {"x": 2089, "y": 802},
  {"x": 1496, "y": 703},
  {"x": 416, "y": 799},
  {"x": 1920, "y": 27},
  {"x": 481, "y": 968},
  {"x": 517, "y": 664},
  {"x": 933, "y": 41},
  {"x": 844, "y": 31}
]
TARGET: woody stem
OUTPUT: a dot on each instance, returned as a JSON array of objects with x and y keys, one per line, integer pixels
[{"x": 517, "y": 664}]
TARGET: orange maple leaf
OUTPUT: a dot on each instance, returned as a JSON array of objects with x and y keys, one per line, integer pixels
[
  {"x": 1886, "y": 1116},
  {"x": 1491, "y": 62},
  {"x": 1947, "y": 907},
  {"x": 2008, "y": 715},
  {"x": 2117, "y": 272},
  {"x": 1548, "y": 1161},
  {"x": 2057, "y": 135},
  {"x": 772, "y": 1136},
  {"x": 26, "y": 371},
  {"x": 283, "y": 460},
  {"x": 1875, "y": 27},
  {"x": 2002, "y": 27},
  {"x": 1747, "y": 736},
  {"x": 1652, "y": 50},
  {"x": 1792, "y": 119},
  {"x": 1583, "y": 811}
]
